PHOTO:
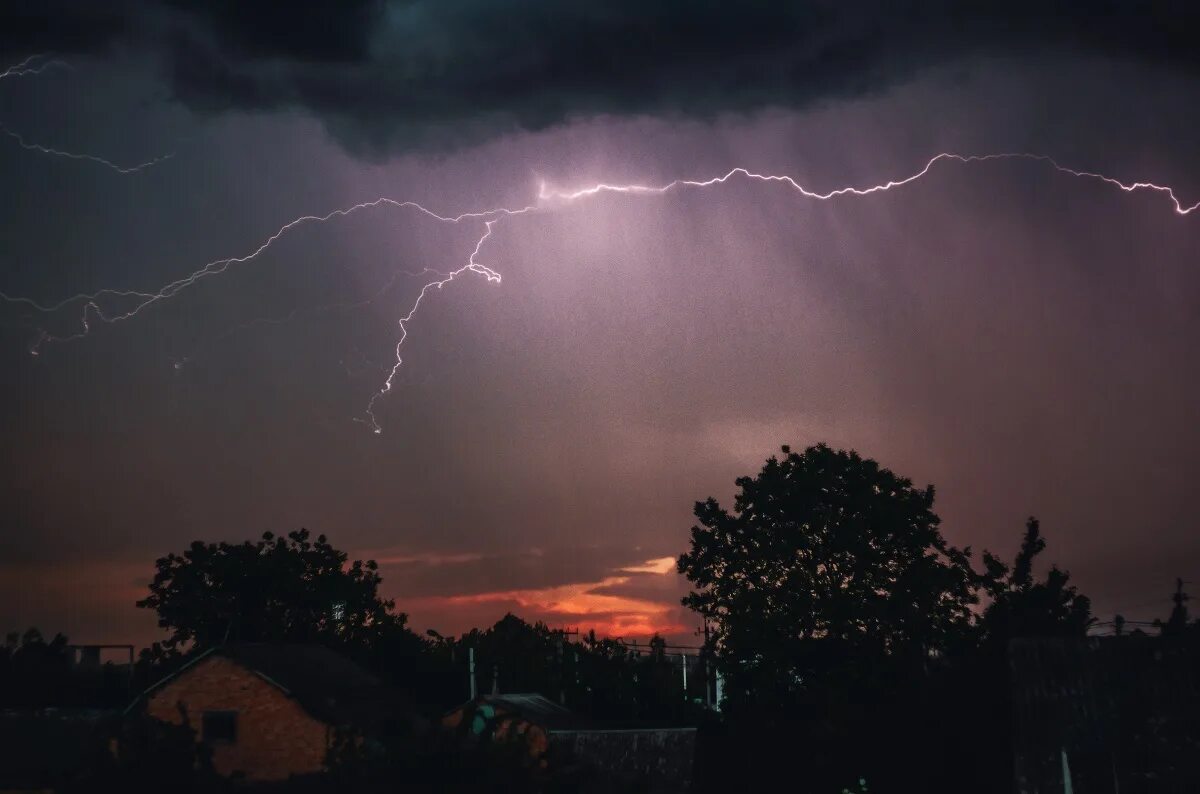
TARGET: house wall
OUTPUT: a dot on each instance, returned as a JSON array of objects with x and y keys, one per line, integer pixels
[{"x": 276, "y": 738}]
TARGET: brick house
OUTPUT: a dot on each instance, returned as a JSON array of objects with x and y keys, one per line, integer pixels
[{"x": 269, "y": 712}]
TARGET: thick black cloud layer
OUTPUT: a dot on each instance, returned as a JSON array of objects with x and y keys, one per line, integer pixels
[
  {"x": 28, "y": 28},
  {"x": 387, "y": 73}
]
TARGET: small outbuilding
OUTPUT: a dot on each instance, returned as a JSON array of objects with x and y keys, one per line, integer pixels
[
  {"x": 655, "y": 758},
  {"x": 526, "y": 718}
]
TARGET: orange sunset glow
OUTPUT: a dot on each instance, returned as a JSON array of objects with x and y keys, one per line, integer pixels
[{"x": 600, "y": 605}]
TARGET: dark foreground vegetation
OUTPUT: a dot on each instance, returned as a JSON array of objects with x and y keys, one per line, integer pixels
[{"x": 857, "y": 651}]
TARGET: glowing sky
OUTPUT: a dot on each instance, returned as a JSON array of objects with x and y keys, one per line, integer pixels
[{"x": 1021, "y": 339}]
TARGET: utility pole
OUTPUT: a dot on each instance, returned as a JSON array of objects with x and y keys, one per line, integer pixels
[
  {"x": 471, "y": 665},
  {"x": 704, "y": 665},
  {"x": 683, "y": 664},
  {"x": 562, "y": 670},
  {"x": 1179, "y": 613},
  {"x": 1178, "y": 619},
  {"x": 562, "y": 666}
]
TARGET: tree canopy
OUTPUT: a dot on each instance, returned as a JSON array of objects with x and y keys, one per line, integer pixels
[
  {"x": 280, "y": 589},
  {"x": 1021, "y": 606},
  {"x": 602, "y": 677},
  {"x": 825, "y": 556},
  {"x": 831, "y": 570}
]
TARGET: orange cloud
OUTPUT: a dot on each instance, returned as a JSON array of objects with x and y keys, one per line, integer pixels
[
  {"x": 582, "y": 604},
  {"x": 659, "y": 565},
  {"x": 571, "y": 599}
]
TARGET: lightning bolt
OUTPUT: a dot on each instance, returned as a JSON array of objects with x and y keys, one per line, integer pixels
[
  {"x": 491, "y": 275},
  {"x": 30, "y": 67},
  {"x": 1131, "y": 187},
  {"x": 120, "y": 169},
  {"x": 547, "y": 200},
  {"x": 34, "y": 65}
]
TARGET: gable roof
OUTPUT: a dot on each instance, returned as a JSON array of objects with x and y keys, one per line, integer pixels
[
  {"x": 302, "y": 670},
  {"x": 326, "y": 684}
]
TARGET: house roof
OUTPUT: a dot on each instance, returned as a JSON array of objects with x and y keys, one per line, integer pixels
[
  {"x": 326, "y": 684},
  {"x": 535, "y": 708},
  {"x": 304, "y": 670}
]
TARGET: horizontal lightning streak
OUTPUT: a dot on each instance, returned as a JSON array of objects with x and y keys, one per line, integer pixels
[
  {"x": 27, "y": 68},
  {"x": 853, "y": 191},
  {"x": 120, "y": 169},
  {"x": 547, "y": 200}
]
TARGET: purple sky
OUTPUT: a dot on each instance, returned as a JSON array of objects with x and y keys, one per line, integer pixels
[{"x": 1022, "y": 339}]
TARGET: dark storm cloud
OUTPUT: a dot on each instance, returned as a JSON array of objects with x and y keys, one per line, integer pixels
[
  {"x": 27, "y": 28},
  {"x": 386, "y": 74},
  {"x": 310, "y": 32}
]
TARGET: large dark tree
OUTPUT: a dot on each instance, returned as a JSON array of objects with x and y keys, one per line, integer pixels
[
  {"x": 278, "y": 589},
  {"x": 828, "y": 565}
]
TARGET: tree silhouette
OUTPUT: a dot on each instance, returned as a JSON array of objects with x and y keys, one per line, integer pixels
[
  {"x": 828, "y": 565},
  {"x": 1177, "y": 622},
  {"x": 845, "y": 621},
  {"x": 525, "y": 656},
  {"x": 279, "y": 589},
  {"x": 33, "y": 672},
  {"x": 602, "y": 679},
  {"x": 1023, "y": 607}
]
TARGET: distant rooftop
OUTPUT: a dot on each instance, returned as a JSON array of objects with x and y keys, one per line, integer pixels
[{"x": 530, "y": 706}]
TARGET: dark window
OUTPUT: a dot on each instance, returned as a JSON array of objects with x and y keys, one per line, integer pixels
[{"x": 219, "y": 727}]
